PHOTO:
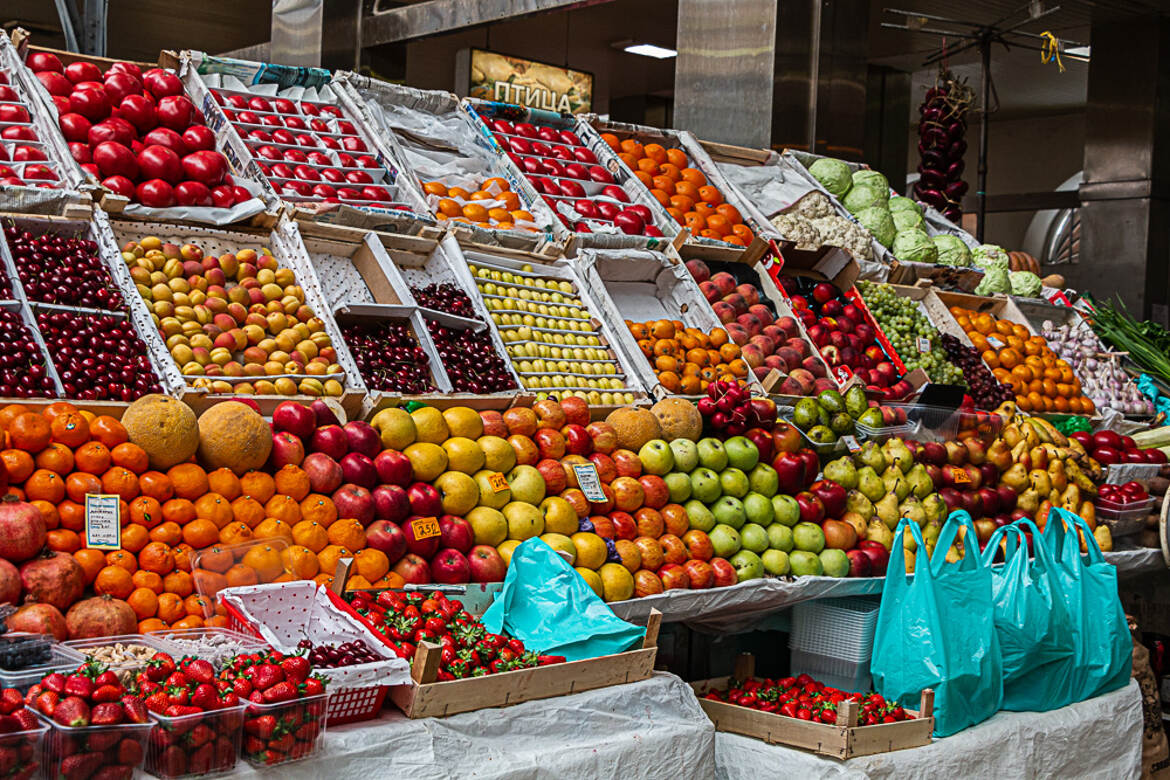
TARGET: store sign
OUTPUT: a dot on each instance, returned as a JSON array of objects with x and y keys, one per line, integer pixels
[{"x": 498, "y": 77}]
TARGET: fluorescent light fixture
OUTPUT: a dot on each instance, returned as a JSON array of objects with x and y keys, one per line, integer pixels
[
  {"x": 650, "y": 50},
  {"x": 1079, "y": 51}
]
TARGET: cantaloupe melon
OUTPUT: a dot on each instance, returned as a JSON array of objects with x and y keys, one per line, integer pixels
[
  {"x": 164, "y": 427},
  {"x": 635, "y": 426},
  {"x": 235, "y": 436},
  {"x": 679, "y": 419}
]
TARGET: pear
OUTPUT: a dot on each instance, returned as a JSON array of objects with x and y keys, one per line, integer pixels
[
  {"x": 856, "y": 501},
  {"x": 887, "y": 511},
  {"x": 912, "y": 508},
  {"x": 1104, "y": 537},
  {"x": 930, "y": 535},
  {"x": 895, "y": 482},
  {"x": 1070, "y": 499},
  {"x": 871, "y": 455},
  {"x": 870, "y": 484},
  {"x": 1016, "y": 477},
  {"x": 920, "y": 483},
  {"x": 909, "y": 561},
  {"x": 935, "y": 508},
  {"x": 1000, "y": 454},
  {"x": 843, "y": 472},
  {"x": 953, "y": 555},
  {"x": 908, "y": 543},
  {"x": 877, "y": 531},
  {"x": 898, "y": 453},
  {"x": 1028, "y": 501},
  {"x": 1040, "y": 481},
  {"x": 1057, "y": 474},
  {"x": 855, "y": 401}
]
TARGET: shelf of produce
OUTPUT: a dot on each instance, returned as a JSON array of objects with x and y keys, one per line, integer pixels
[
  {"x": 427, "y": 130},
  {"x": 622, "y": 385},
  {"x": 694, "y": 156},
  {"x": 839, "y": 740},
  {"x": 376, "y": 322},
  {"x": 243, "y": 131},
  {"x": 484, "y": 116},
  {"x": 285, "y": 246}
]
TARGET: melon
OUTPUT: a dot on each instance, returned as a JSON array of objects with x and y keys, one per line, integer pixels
[
  {"x": 679, "y": 419},
  {"x": 635, "y": 426},
  {"x": 164, "y": 427},
  {"x": 234, "y": 436}
]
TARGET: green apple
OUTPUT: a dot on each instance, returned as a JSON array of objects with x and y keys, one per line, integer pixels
[
  {"x": 835, "y": 563},
  {"x": 742, "y": 453},
  {"x": 524, "y": 520},
  {"x": 705, "y": 485},
  {"x": 711, "y": 454},
  {"x": 775, "y": 562},
  {"x": 686, "y": 455},
  {"x": 487, "y": 494},
  {"x": 699, "y": 515},
  {"x": 808, "y": 537},
  {"x": 724, "y": 540},
  {"x": 561, "y": 543},
  {"x": 786, "y": 510},
  {"x": 526, "y": 484},
  {"x": 804, "y": 563},
  {"x": 733, "y": 482},
  {"x": 764, "y": 480},
  {"x": 657, "y": 457},
  {"x": 748, "y": 565},
  {"x": 678, "y": 485},
  {"x": 753, "y": 537},
  {"x": 729, "y": 511},
  {"x": 758, "y": 509},
  {"x": 780, "y": 537}
]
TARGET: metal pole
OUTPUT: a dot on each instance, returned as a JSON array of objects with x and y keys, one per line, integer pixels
[
  {"x": 65, "y": 15},
  {"x": 94, "y": 27},
  {"x": 814, "y": 74},
  {"x": 985, "y": 50}
]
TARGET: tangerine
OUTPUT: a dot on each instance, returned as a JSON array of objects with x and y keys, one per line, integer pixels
[
  {"x": 56, "y": 458},
  {"x": 108, "y": 431},
  {"x": 63, "y": 540},
  {"x": 258, "y": 485},
  {"x": 113, "y": 580},
  {"x": 188, "y": 480},
  {"x": 130, "y": 456},
  {"x": 70, "y": 429},
  {"x": 30, "y": 432}
]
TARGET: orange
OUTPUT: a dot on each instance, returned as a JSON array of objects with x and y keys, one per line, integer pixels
[
  {"x": 226, "y": 483},
  {"x": 742, "y": 232},
  {"x": 694, "y": 176},
  {"x": 179, "y": 511},
  {"x": 70, "y": 429},
  {"x": 108, "y": 431},
  {"x": 459, "y": 192},
  {"x": 130, "y": 456},
  {"x": 631, "y": 162},
  {"x": 147, "y": 579},
  {"x": 239, "y": 574},
  {"x": 435, "y": 188},
  {"x": 150, "y": 625},
  {"x": 272, "y": 528},
  {"x": 10, "y": 413},
  {"x": 134, "y": 538},
  {"x": 144, "y": 602},
  {"x": 284, "y": 508},
  {"x": 170, "y": 607},
  {"x": 44, "y": 485},
  {"x": 71, "y": 515},
  {"x": 216, "y": 621},
  {"x": 319, "y": 509},
  {"x": 711, "y": 194},
  {"x": 48, "y": 513},
  {"x": 214, "y": 507},
  {"x": 734, "y": 240},
  {"x": 91, "y": 562},
  {"x": 120, "y": 481},
  {"x": 115, "y": 581},
  {"x": 660, "y": 196},
  {"x": 201, "y": 533},
  {"x": 308, "y": 533},
  {"x": 510, "y": 200},
  {"x": 672, "y": 171},
  {"x": 449, "y": 208},
  {"x": 664, "y": 183},
  {"x": 718, "y": 337},
  {"x": 258, "y": 485},
  {"x": 248, "y": 510},
  {"x": 475, "y": 212},
  {"x": 612, "y": 141},
  {"x": 18, "y": 464},
  {"x": 655, "y": 152},
  {"x": 63, "y": 540},
  {"x": 301, "y": 562},
  {"x": 122, "y": 558},
  {"x": 265, "y": 559},
  {"x": 677, "y": 158},
  {"x": 191, "y": 621},
  {"x": 630, "y": 146},
  {"x": 146, "y": 512},
  {"x": 156, "y": 485},
  {"x": 79, "y": 483},
  {"x": 500, "y": 184},
  {"x": 188, "y": 480},
  {"x": 671, "y": 381},
  {"x": 689, "y": 189},
  {"x": 371, "y": 564},
  {"x": 30, "y": 432},
  {"x": 480, "y": 195},
  {"x": 729, "y": 352},
  {"x": 156, "y": 558},
  {"x": 180, "y": 583},
  {"x": 666, "y": 363},
  {"x": 327, "y": 559},
  {"x": 729, "y": 212},
  {"x": 184, "y": 554},
  {"x": 216, "y": 559},
  {"x": 641, "y": 176},
  {"x": 648, "y": 166},
  {"x": 197, "y": 605},
  {"x": 662, "y": 329},
  {"x": 58, "y": 408},
  {"x": 234, "y": 533},
  {"x": 719, "y": 224},
  {"x": 498, "y": 214},
  {"x": 348, "y": 533},
  {"x": 56, "y": 457},
  {"x": 704, "y": 209},
  {"x": 694, "y": 221}
]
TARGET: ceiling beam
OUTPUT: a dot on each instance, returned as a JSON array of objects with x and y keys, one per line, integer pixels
[{"x": 434, "y": 17}]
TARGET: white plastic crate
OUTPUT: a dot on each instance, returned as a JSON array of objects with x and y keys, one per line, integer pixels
[{"x": 837, "y": 629}]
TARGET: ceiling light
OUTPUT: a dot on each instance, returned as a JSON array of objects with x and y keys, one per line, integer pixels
[
  {"x": 650, "y": 50},
  {"x": 1079, "y": 51}
]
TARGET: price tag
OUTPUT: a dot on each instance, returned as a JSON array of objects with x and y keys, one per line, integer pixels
[
  {"x": 995, "y": 341},
  {"x": 923, "y": 344},
  {"x": 589, "y": 482},
  {"x": 851, "y": 443},
  {"x": 960, "y": 477},
  {"x": 497, "y": 481},
  {"x": 425, "y": 527},
  {"x": 103, "y": 522},
  {"x": 843, "y": 373}
]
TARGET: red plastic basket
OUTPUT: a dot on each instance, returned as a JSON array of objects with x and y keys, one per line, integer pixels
[{"x": 346, "y": 705}]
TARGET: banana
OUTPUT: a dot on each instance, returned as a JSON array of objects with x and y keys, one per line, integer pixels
[
  {"x": 1041, "y": 431},
  {"x": 1054, "y": 433},
  {"x": 1076, "y": 447}
]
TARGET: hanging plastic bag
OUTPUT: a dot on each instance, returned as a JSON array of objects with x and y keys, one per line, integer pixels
[
  {"x": 937, "y": 630},
  {"x": 1102, "y": 657},
  {"x": 547, "y": 604},
  {"x": 1032, "y": 622}
]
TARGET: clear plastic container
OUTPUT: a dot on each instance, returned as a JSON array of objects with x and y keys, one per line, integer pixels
[
  {"x": 24, "y": 651},
  {"x": 206, "y": 743},
  {"x": 879, "y": 435},
  {"x": 833, "y": 449},
  {"x": 849, "y": 676},
  {"x": 124, "y": 668},
  {"x": 71, "y": 753},
  {"x": 60, "y": 658},
  {"x": 1124, "y": 519},
  {"x": 24, "y": 752},
  {"x": 836, "y": 628},
  {"x": 296, "y": 730},
  {"x": 210, "y": 643}
]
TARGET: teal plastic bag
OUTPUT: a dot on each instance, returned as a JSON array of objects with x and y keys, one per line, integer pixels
[
  {"x": 1031, "y": 619},
  {"x": 936, "y": 629},
  {"x": 1102, "y": 660},
  {"x": 546, "y": 604}
]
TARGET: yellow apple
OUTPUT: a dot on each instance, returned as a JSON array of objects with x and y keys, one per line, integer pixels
[
  {"x": 430, "y": 426},
  {"x": 463, "y": 454},
  {"x": 591, "y": 550},
  {"x": 427, "y": 460},
  {"x": 524, "y": 520},
  {"x": 489, "y": 525},
  {"x": 459, "y": 492},
  {"x": 559, "y": 516},
  {"x": 561, "y": 544},
  {"x": 396, "y": 427}
]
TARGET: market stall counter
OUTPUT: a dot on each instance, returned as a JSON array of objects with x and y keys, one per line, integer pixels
[{"x": 1011, "y": 744}]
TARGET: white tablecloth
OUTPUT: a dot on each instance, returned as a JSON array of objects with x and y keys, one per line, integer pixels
[{"x": 1099, "y": 738}]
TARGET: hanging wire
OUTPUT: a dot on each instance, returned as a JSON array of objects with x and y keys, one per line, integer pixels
[{"x": 1050, "y": 50}]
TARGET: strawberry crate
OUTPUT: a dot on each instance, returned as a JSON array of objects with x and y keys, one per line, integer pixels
[
  {"x": 23, "y": 752},
  {"x": 285, "y": 731},
  {"x": 205, "y": 743},
  {"x": 71, "y": 752}
]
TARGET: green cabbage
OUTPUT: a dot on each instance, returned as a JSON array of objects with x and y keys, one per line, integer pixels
[
  {"x": 833, "y": 175},
  {"x": 995, "y": 280},
  {"x": 872, "y": 179},
  {"x": 914, "y": 246},
  {"x": 1025, "y": 284},
  {"x": 906, "y": 219},
  {"x": 879, "y": 223},
  {"x": 952, "y": 250},
  {"x": 898, "y": 203},
  {"x": 862, "y": 196},
  {"x": 990, "y": 256}
]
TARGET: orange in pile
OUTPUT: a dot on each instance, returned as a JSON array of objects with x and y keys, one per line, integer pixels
[
  {"x": 686, "y": 360},
  {"x": 456, "y": 204},
  {"x": 683, "y": 190},
  {"x": 1042, "y": 381}
]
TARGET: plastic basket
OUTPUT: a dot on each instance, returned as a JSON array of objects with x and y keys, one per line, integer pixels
[
  {"x": 833, "y": 672},
  {"x": 124, "y": 669},
  {"x": 1124, "y": 519},
  {"x": 206, "y": 743},
  {"x": 299, "y": 732},
  {"x": 230, "y": 643},
  {"x": 61, "y": 658},
  {"x": 70, "y": 752},
  {"x": 29, "y": 752},
  {"x": 878, "y": 435},
  {"x": 835, "y": 628}
]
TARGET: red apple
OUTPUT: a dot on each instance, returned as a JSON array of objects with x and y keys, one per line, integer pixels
[
  {"x": 363, "y": 438},
  {"x": 450, "y": 567},
  {"x": 527, "y": 453},
  {"x": 577, "y": 439},
  {"x": 331, "y": 440},
  {"x": 655, "y": 493},
  {"x": 486, "y": 564},
  {"x": 294, "y": 418},
  {"x": 388, "y": 538},
  {"x": 393, "y": 468},
  {"x": 413, "y": 569},
  {"x": 424, "y": 500},
  {"x": 359, "y": 469},
  {"x": 700, "y": 574},
  {"x": 456, "y": 533},
  {"x": 323, "y": 471},
  {"x": 624, "y": 525},
  {"x": 675, "y": 577},
  {"x": 606, "y": 468},
  {"x": 724, "y": 572},
  {"x": 555, "y": 480},
  {"x": 628, "y": 494},
  {"x": 286, "y": 449},
  {"x": 391, "y": 503},
  {"x": 354, "y": 501},
  {"x": 628, "y": 463},
  {"x": 423, "y": 547},
  {"x": 604, "y": 437}
]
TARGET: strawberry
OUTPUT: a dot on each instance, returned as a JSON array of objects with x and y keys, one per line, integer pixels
[
  {"x": 198, "y": 670},
  {"x": 147, "y": 687},
  {"x": 107, "y": 678},
  {"x": 135, "y": 709},
  {"x": 271, "y": 757},
  {"x": 129, "y": 751},
  {"x": 261, "y": 727},
  {"x": 199, "y": 762},
  {"x": 172, "y": 762},
  {"x": 296, "y": 668},
  {"x": 31, "y": 695},
  {"x": 281, "y": 691},
  {"x": 179, "y": 710},
  {"x": 114, "y": 772},
  {"x": 104, "y": 739},
  {"x": 225, "y": 754},
  {"x": 256, "y": 697},
  {"x": 229, "y": 699},
  {"x": 10, "y": 701},
  {"x": 107, "y": 714},
  {"x": 54, "y": 682},
  {"x": 105, "y": 693},
  {"x": 176, "y": 680},
  {"x": 314, "y": 686},
  {"x": 309, "y": 731},
  {"x": 201, "y": 735},
  {"x": 9, "y": 760},
  {"x": 160, "y": 666},
  {"x": 301, "y": 749},
  {"x": 72, "y": 711},
  {"x": 157, "y": 702},
  {"x": 242, "y": 686},
  {"x": 26, "y": 719},
  {"x": 283, "y": 743},
  {"x": 264, "y": 676},
  {"x": 81, "y": 765},
  {"x": 9, "y": 725},
  {"x": 253, "y": 745}
]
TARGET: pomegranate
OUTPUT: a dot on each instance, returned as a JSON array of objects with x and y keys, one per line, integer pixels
[
  {"x": 22, "y": 529},
  {"x": 39, "y": 619},
  {"x": 100, "y": 616},
  {"x": 53, "y": 578},
  {"x": 9, "y": 583}
]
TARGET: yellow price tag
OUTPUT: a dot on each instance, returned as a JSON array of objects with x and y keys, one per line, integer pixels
[
  {"x": 960, "y": 477},
  {"x": 425, "y": 527},
  {"x": 497, "y": 481}
]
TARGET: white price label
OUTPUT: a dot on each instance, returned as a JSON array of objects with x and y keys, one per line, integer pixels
[
  {"x": 923, "y": 344},
  {"x": 103, "y": 522},
  {"x": 995, "y": 341},
  {"x": 589, "y": 481},
  {"x": 851, "y": 443}
]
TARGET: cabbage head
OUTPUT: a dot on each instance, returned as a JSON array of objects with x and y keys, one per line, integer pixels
[
  {"x": 995, "y": 280},
  {"x": 898, "y": 203},
  {"x": 907, "y": 220},
  {"x": 1025, "y": 284},
  {"x": 872, "y": 179},
  {"x": 862, "y": 197},
  {"x": 952, "y": 250},
  {"x": 914, "y": 246},
  {"x": 879, "y": 223},
  {"x": 990, "y": 256},
  {"x": 833, "y": 175}
]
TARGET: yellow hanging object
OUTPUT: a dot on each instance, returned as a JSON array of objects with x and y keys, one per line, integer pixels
[{"x": 1050, "y": 50}]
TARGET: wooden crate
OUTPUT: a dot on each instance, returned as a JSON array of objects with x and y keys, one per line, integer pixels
[
  {"x": 839, "y": 740},
  {"x": 429, "y": 699},
  {"x": 1000, "y": 306}
]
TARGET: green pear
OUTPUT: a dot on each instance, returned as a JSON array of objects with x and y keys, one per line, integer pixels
[
  {"x": 856, "y": 501},
  {"x": 935, "y": 508},
  {"x": 878, "y": 531},
  {"x": 912, "y": 508},
  {"x": 930, "y": 535},
  {"x": 920, "y": 483},
  {"x": 1016, "y": 477},
  {"x": 887, "y": 510},
  {"x": 855, "y": 401},
  {"x": 870, "y": 484},
  {"x": 843, "y": 472},
  {"x": 871, "y": 455},
  {"x": 898, "y": 453},
  {"x": 895, "y": 482}
]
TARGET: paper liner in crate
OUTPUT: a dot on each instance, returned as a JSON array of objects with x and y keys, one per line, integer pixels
[{"x": 285, "y": 613}]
